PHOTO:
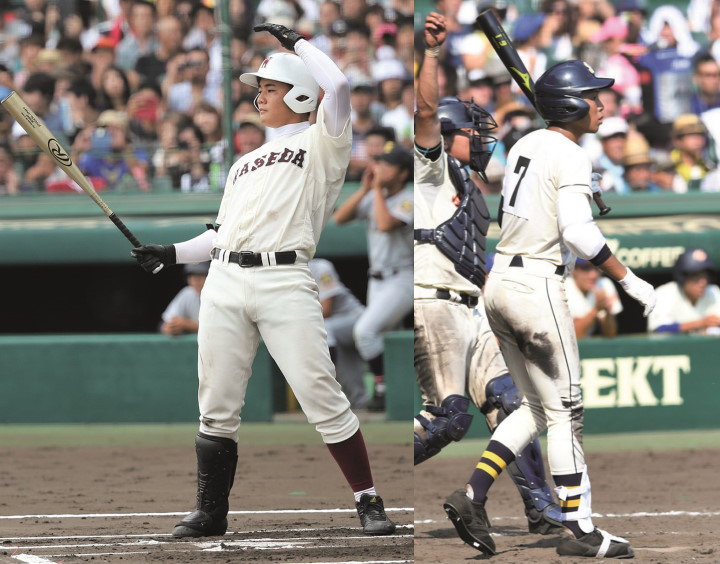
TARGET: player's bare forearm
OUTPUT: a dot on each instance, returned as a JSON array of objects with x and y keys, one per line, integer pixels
[
  {"x": 384, "y": 220},
  {"x": 613, "y": 268},
  {"x": 427, "y": 126},
  {"x": 346, "y": 211}
]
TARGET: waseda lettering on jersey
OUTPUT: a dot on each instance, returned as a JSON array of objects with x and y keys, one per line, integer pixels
[{"x": 286, "y": 156}]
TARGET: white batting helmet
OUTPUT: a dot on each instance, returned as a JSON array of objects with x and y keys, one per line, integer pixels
[{"x": 290, "y": 69}]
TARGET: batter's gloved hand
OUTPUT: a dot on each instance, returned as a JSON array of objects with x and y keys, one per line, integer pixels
[
  {"x": 287, "y": 37},
  {"x": 153, "y": 257},
  {"x": 639, "y": 290}
]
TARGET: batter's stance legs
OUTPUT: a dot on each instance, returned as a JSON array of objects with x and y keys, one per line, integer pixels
[{"x": 217, "y": 460}]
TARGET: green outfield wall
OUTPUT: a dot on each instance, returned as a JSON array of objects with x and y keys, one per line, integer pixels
[
  {"x": 644, "y": 384},
  {"x": 143, "y": 378}
]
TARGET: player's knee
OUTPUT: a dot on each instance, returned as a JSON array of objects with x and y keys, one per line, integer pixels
[
  {"x": 502, "y": 395},
  {"x": 452, "y": 422}
]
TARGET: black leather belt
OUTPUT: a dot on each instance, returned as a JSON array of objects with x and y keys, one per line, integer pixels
[
  {"x": 382, "y": 274},
  {"x": 248, "y": 259},
  {"x": 465, "y": 299},
  {"x": 518, "y": 261}
]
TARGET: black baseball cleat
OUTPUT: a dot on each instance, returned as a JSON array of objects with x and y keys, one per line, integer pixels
[
  {"x": 372, "y": 514},
  {"x": 470, "y": 520},
  {"x": 597, "y": 544},
  {"x": 200, "y": 524}
]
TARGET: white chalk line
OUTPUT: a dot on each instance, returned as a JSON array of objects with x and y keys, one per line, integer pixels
[
  {"x": 602, "y": 516},
  {"x": 155, "y": 535},
  {"x": 180, "y": 513},
  {"x": 31, "y": 559}
]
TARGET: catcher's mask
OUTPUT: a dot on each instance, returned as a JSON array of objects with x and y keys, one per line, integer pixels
[{"x": 455, "y": 115}]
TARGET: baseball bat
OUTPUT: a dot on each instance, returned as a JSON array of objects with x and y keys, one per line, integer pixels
[
  {"x": 45, "y": 139},
  {"x": 493, "y": 29}
]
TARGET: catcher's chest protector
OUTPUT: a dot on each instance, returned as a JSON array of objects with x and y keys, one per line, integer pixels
[{"x": 462, "y": 237}]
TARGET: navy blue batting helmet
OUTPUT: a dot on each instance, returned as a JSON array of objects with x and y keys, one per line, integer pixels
[
  {"x": 692, "y": 260},
  {"x": 559, "y": 91}
]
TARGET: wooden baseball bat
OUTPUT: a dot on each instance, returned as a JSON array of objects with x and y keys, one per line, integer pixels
[
  {"x": 493, "y": 29},
  {"x": 45, "y": 139}
]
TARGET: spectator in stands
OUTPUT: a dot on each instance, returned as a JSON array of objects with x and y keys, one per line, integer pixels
[
  {"x": 114, "y": 91},
  {"x": 142, "y": 39},
  {"x": 638, "y": 165},
  {"x": 618, "y": 65},
  {"x": 669, "y": 64},
  {"x": 634, "y": 12},
  {"x": 593, "y": 301},
  {"x": 184, "y": 12},
  {"x": 72, "y": 56},
  {"x": 376, "y": 139},
  {"x": 111, "y": 159},
  {"x": 364, "y": 118},
  {"x": 329, "y": 13},
  {"x": 387, "y": 205},
  {"x": 144, "y": 109},
  {"x": 37, "y": 167},
  {"x": 81, "y": 97},
  {"x": 480, "y": 89},
  {"x": 526, "y": 36},
  {"x": 209, "y": 121},
  {"x": 153, "y": 66},
  {"x": 182, "y": 313},
  {"x": 391, "y": 78},
  {"x": 588, "y": 18},
  {"x": 612, "y": 134},
  {"x": 9, "y": 180},
  {"x": 187, "y": 83},
  {"x": 195, "y": 179},
  {"x": 250, "y": 135},
  {"x": 169, "y": 161},
  {"x": 39, "y": 93},
  {"x": 556, "y": 36},
  {"x": 101, "y": 57},
  {"x": 203, "y": 35},
  {"x": 341, "y": 310},
  {"x": 689, "y": 141},
  {"x": 706, "y": 82},
  {"x": 664, "y": 174},
  {"x": 691, "y": 302},
  {"x": 30, "y": 46}
]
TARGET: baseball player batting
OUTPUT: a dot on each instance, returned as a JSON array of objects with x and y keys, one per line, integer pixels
[
  {"x": 455, "y": 351},
  {"x": 277, "y": 200},
  {"x": 545, "y": 222}
]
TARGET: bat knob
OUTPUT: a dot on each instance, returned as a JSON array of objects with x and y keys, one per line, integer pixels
[
  {"x": 606, "y": 210},
  {"x": 159, "y": 268}
]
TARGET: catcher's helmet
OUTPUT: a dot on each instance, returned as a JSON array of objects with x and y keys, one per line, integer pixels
[
  {"x": 558, "y": 92},
  {"x": 290, "y": 69},
  {"x": 692, "y": 260},
  {"x": 455, "y": 114}
]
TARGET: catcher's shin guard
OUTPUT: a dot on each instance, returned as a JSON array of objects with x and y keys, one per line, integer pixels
[
  {"x": 217, "y": 460},
  {"x": 528, "y": 474},
  {"x": 527, "y": 471},
  {"x": 451, "y": 423}
]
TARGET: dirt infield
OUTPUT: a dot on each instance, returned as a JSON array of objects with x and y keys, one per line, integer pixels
[
  {"x": 118, "y": 504},
  {"x": 667, "y": 504}
]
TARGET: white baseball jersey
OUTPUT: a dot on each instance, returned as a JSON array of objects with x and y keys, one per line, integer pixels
[
  {"x": 580, "y": 303},
  {"x": 539, "y": 165},
  {"x": 434, "y": 202},
  {"x": 391, "y": 249},
  {"x": 673, "y": 307},
  {"x": 279, "y": 197}
]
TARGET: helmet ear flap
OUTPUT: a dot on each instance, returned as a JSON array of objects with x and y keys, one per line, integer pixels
[{"x": 561, "y": 109}]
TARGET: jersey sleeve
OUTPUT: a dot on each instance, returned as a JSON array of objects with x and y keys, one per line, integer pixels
[
  {"x": 574, "y": 170},
  {"x": 427, "y": 171},
  {"x": 365, "y": 206},
  {"x": 402, "y": 207}
]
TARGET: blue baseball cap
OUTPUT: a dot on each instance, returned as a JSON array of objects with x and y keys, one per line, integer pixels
[{"x": 527, "y": 25}]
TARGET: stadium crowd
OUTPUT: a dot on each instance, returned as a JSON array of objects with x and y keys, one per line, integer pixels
[
  {"x": 662, "y": 123},
  {"x": 135, "y": 88}
]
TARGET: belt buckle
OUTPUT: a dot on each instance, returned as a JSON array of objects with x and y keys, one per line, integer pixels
[{"x": 247, "y": 259}]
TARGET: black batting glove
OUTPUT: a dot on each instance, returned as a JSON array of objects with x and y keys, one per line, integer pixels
[
  {"x": 153, "y": 257},
  {"x": 287, "y": 37}
]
